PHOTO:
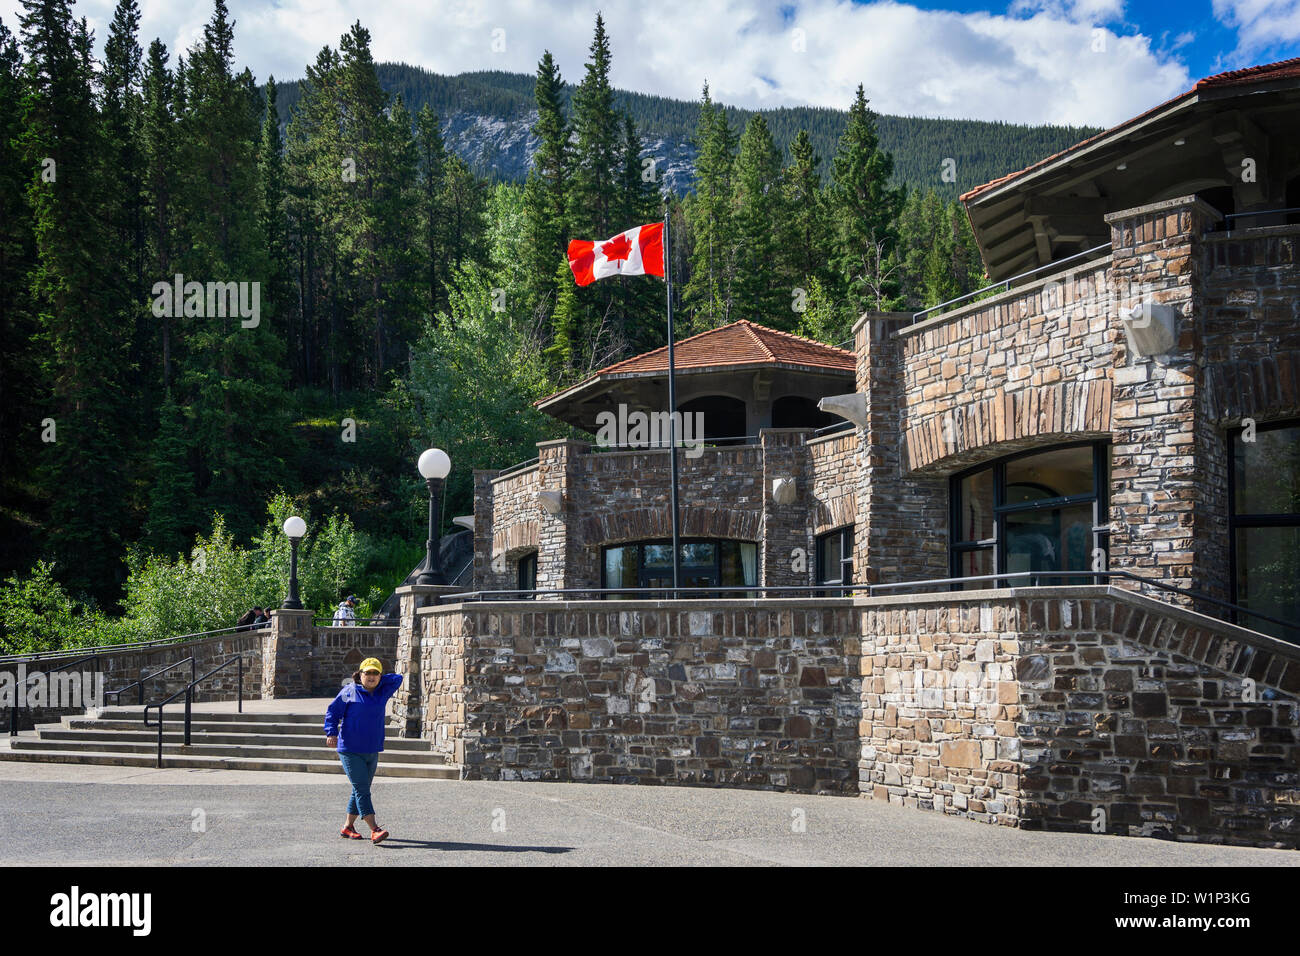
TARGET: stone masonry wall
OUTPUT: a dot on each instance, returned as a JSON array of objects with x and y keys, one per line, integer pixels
[
  {"x": 1082, "y": 708},
  {"x": 834, "y": 470},
  {"x": 1163, "y": 506},
  {"x": 901, "y": 529},
  {"x": 122, "y": 667},
  {"x": 760, "y": 696},
  {"x": 338, "y": 651},
  {"x": 1025, "y": 368}
]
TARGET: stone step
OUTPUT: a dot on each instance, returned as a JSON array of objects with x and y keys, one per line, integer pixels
[
  {"x": 197, "y": 712},
  {"x": 176, "y": 735},
  {"x": 175, "y": 721},
  {"x": 200, "y": 747},
  {"x": 119, "y": 759}
]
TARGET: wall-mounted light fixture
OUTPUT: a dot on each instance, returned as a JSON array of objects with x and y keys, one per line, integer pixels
[
  {"x": 552, "y": 502},
  {"x": 852, "y": 406},
  {"x": 784, "y": 491},
  {"x": 1151, "y": 328}
]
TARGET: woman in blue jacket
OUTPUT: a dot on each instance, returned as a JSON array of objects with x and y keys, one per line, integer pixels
[{"x": 354, "y": 723}]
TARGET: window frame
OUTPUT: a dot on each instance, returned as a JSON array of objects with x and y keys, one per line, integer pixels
[
  {"x": 845, "y": 535},
  {"x": 1250, "y": 520},
  {"x": 1099, "y": 498}
]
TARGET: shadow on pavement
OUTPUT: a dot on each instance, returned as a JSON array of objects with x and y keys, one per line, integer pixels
[{"x": 400, "y": 844}]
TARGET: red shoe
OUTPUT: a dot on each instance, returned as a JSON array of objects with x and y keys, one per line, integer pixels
[
  {"x": 351, "y": 834},
  {"x": 378, "y": 836}
]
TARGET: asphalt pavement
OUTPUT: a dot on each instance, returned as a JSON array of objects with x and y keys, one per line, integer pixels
[{"x": 74, "y": 815}]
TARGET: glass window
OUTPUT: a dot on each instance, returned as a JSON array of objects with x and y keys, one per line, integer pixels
[
  {"x": 1265, "y": 526},
  {"x": 527, "y": 574},
  {"x": 835, "y": 558},
  {"x": 1031, "y": 512},
  {"x": 1267, "y": 472},
  {"x": 976, "y": 522},
  {"x": 704, "y": 564}
]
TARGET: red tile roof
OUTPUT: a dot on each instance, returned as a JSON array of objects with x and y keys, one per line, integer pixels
[
  {"x": 1283, "y": 69},
  {"x": 740, "y": 343}
]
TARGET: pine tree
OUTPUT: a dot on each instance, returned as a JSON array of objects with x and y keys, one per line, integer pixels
[
  {"x": 158, "y": 151},
  {"x": 803, "y": 231},
  {"x": 757, "y": 210},
  {"x": 864, "y": 208},
  {"x": 707, "y": 292},
  {"x": 172, "y": 522},
  {"x": 231, "y": 375},
  {"x": 21, "y": 388},
  {"x": 546, "y": 191},
  {"x": 76, "y": 302},
  {"x": 431, "y": 160}
]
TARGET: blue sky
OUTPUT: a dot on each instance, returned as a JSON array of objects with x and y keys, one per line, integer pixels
[{"x": 1083, "y": 62}]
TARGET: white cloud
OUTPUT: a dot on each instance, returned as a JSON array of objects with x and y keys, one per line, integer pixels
[
  {"x": 1260, "y": 24},
  {"x": 1035, "y": 64}
]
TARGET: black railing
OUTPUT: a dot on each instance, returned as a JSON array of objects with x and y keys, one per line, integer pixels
[
  {"x": 188, "y": 691},
  {"x": 1031, "y": 579},
  {"x": 1006, "y": 283},
  {"x": 837, "y": 427},
  {"x": 141, "y": 682},
  {"x": 108, "y": 648},
  {"x": 353, "y": 622},
  {"x": 730, "y": 441},
  {"x": 1290, "y": 212},
  {"x": 522, "y": 466},
  {"x": 20, "y": 691}
]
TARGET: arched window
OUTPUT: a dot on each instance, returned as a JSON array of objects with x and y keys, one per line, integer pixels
[{"x": 1035, "y": 511}]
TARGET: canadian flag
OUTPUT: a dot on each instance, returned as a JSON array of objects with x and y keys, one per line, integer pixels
[{"x": 637, "y": 252}]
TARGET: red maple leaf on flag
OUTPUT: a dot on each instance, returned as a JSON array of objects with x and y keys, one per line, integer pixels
[{"x": 617, "y": 248}]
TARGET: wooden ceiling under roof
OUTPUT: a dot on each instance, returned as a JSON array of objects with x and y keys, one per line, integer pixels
[{"x": 1055, "y": 208}]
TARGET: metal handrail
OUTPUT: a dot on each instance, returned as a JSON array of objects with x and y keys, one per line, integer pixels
[
  {"x": 21, "y": 693},
  {"x": 837, "y": 427},
  {"x": 822, "y": 590},
  {"x": 140, "y": 682},
  {"x": 188, "y": 691},
  {"x": 106, "y": 648},
  {"x": 523, "y": 465},
  {"x": 1006, "y": 283},
  {"x": 750, "y": 441},
  {"x": 1258, "y": 212},
  {"x": 355, "y": 622}
]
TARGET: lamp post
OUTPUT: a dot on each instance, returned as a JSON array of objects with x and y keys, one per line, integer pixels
[
  {"x": 294, "y": 529},
  {"x": 434, "y": 466}
]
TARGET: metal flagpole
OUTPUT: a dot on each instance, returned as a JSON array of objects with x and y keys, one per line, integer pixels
[{"x": 672, "y": 404}]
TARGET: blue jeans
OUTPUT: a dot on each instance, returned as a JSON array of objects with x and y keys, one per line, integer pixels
[{"x": 360, "y": 769}]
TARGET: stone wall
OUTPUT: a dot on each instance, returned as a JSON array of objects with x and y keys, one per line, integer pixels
[
  {"x": 1082, "y": 709},
  {"x": 338, "y": 651},
  {"x": 123, "y": 667},
  {"x": 834, "y": 464},
  {"x": 748, "y": 694},
  {"x": 1028, "y": 367}
]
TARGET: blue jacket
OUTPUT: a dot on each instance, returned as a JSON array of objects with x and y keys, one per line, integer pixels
[{"x": 356, "y": 716}]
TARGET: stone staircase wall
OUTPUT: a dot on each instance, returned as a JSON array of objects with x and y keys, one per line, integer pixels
[{"x": 1081, "y": 709}]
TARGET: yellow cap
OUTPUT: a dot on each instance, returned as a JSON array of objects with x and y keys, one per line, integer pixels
[{"x": 371, "y": 664}]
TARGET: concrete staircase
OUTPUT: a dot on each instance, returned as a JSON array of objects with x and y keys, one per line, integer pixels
[{"x": 280, "y": 737}]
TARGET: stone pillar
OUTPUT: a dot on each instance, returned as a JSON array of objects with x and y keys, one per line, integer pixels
[
  {"x": 1162, "y": 504},
  {"x": 286, "y": 655},
  {"x": 408, "y": 702},
  {"x": 561, "y": 562},
  {"x": 901, "y": 533},
  {"x": 785, "y": 526}
]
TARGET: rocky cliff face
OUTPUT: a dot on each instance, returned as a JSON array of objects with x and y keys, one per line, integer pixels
[{"x": 505, "y": 147}]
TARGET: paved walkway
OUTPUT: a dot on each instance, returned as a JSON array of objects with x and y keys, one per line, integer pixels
[{"x": 89, "y": 816}]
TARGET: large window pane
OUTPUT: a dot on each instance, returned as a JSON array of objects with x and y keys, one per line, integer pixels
[
  {"x": 1268, "y": 576},
  {"x": 975, "y": 519},
  {"x": 1267, "y": 478},
  {"x": 1058, "y": 539},
  {"x": 620, "y": 567},
  {"x": 973, "y": 564},
  {"x": 738, "y": 564},
  {"x": 1051, "y": 474},
  {"x": 698, "y": 553}
]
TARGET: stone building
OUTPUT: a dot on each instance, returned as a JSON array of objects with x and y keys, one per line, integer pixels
[
  {"x": 1127, "y": 403},
  {"x": 1129, "y": 400}
]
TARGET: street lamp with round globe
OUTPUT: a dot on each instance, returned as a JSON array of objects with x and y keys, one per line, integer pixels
[
  {"x": 434, "y": 466},
  {"x": 294, "y": 529}
]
